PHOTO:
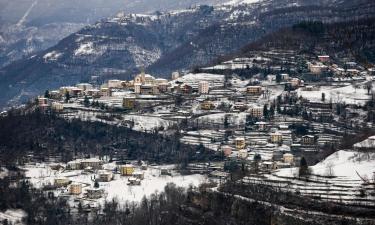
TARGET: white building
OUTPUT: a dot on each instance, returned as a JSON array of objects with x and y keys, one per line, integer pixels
[
  {"x": 203, "y": 87},
  {"x": 114, "y": 84}
]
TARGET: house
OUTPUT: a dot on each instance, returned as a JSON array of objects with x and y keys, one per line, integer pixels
[
  {"x": 76, "y": 92},
  {"x": 203, "y": 87},
  {"x": 227, "y": 150},
  {"x": 240, "y": 143},
  {"x": 269, "y": 166},
  {"x": 276, "y": 137},
  {"x": 256, "y": 111},
  {"x": 288, "y": 158},
  {"x": 104, "y": 176},
  {"x": 84, "y": 86},
  {"x": 240, "y": 106},
  {"x": 55, "y": 95},
  {"x": 139, "y": 175},
  {"x": 207, "y": 105},
  {"x": 94, "y": 193},
  {"x": 317, "y": 68},
  {"x": 262, "y": 125},
  {"x": 43, "y": 103},
  {"x": 134, "y": 181},
  {"x": 308, "y": 140},
  {"x": 95, "y": 93},
  {"x": 254, "y": 90},
  {"x": 61, "y": 182},
  {"x": 127, "y": 170},
  {"x": 165, "y": 171},
  {"x": 105, "y": 92},
  {"x": 295, "y": 82},
  {"x": 137, "y": 88},
  {"x": 74, "y": 165},
  {"x": 57, "y": 106},
  {"x": 323, "y": 58},
  {"x": 79, "y": 164},
  {"x": 114, "y": 84},
  {"x": 284, "y": 76},
  {"x": 186, "y": 89},
  {"x": 75, "y": 189},
  {"x": 128, "y": 102},
  {"x": 242, "y": 154},
  {"x": 94, "y": 163}
]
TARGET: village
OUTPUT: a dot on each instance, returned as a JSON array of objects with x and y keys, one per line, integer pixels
[{"x": 269, "y": 124}]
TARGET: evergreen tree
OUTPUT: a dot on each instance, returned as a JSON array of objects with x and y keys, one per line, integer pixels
[
  {"x": 278, "y": 78},
  {"x": 67, "y": 96},
  {"x": 86, "y": 101},
  {"x": 303, "y": 168},
  {"x": 265, "y": 111},
  {"x": 46, "y": 94}
]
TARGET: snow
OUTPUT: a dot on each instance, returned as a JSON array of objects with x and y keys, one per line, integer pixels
[
  {"x": 3, "y": 172},
  {"x": 147, "y": 123},
  {"x": 239, "y": 2},
  {"x": 52, "y": 56},
  {"x": 152, "y": 183},
  {"x": 85, "y": 49},
  {"x": 218, "y": 118},
  {"x": 196, "y": 77},
  {"x": 344, "y": 163},
  {"x": 348, "y": 94},
  {"x": 144, "y": 57},
  {"x": 40, "y": 175},
  {"x": 348, "y": 164},
  {"x": 193, "y": 79},
  {"x": 368, "y": 143},
  {"x": 14, "y": 216}
]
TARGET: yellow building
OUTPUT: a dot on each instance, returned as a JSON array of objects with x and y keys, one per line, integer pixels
[
  {"x": 61, "y": 182},
  {"x": 256, "y": 111},
  {"x": 105, "y": 92},
  {"x": 240, "y": 143},
  {"x": 57, "y": 106},
  {"x": 207, "y": 105},
  {"x": 254, "y": 90},
  {"x": 75, "y": 189},
  {"x": 276, "y": 137},
  {"x": 128, "y": 102},
  {"x": 288, "y": 158},
  {"x": 127, "y": 170}
]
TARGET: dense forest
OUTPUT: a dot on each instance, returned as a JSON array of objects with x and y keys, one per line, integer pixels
[
  {"x": 47, "y": 135},
  {"x": 353, "y": 39},
  {"x": 203, "y": 205}
]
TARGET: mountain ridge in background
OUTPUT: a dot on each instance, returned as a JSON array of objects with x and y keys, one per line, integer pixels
[{"x": 163, "y": 42}]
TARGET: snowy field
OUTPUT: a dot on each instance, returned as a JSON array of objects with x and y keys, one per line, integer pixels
[
  {"x": 13, "y": 216},
  {"x": 192, "y": 79},
  {"x": 344, "y": 177},
  {"x": 148, "y": 123},
  {"x": 41, "y": 175},
  {"x": 346, "y": 164},
  {"x": 348, "y": 94}
]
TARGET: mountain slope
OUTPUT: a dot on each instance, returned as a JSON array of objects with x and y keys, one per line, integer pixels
[
  {"x": 163, "y": 42},
  {"x": 29, "y": 26},
  {"x": 349, "y": 40}
]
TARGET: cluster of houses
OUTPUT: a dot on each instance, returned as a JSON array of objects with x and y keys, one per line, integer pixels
[
  {"x": 205, "y": 94},
  {"x": 94, "y": 168}
]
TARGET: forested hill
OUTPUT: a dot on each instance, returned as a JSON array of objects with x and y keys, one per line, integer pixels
[
  {"x": 351, "y": 39},
  {"x": 47, "y": 136},
  {"x": 163, "y": 42}
]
